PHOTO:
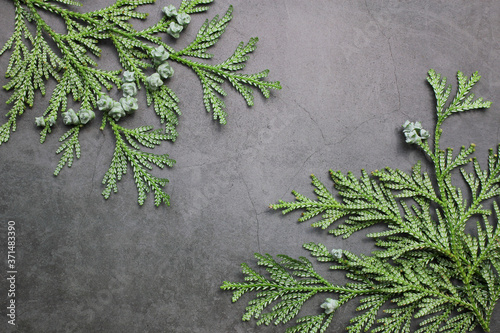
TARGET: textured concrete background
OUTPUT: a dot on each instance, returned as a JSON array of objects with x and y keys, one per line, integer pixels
[{"x": 352, "y": 73}]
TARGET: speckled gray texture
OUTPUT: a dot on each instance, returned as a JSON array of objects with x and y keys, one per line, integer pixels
[{"x": 352, "y": 73}]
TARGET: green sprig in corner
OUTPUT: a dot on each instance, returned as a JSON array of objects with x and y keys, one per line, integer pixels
[
  {"x": 438, "y": 276},
  {"x": 74, "y": 67}
]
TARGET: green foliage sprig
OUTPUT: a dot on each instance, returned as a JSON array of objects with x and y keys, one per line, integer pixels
[
  {"x": 429, "y": 275},
  {"x": 74, "y": 66}
]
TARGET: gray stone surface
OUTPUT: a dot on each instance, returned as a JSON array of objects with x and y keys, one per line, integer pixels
[{"x": 352, "y": 73}]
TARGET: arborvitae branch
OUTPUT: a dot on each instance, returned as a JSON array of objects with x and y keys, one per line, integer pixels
[
  {"x": 427, "y": 265},
  {"x": 128, "y": 151},
  {"x": 75, "y": 68},
  {"x": 70, "y": 148},
  {"x": 213, "y": 76}
]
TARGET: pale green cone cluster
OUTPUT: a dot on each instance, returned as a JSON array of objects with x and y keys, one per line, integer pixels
[
  {"x": 163, "y": 69},
  {"x": 70, "y": 118},
  {"x": 414, "y": 133},
  {"x": 180, "y": 20},
  {"x": 330, "y": 305},
  {"x": 126, "y": 105}
]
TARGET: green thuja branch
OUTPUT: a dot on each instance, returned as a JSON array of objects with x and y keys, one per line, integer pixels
[
  {"x": 69, "y": 148},
  {"x": 128, "y": 151},
  {"x": 429, "y": 274},
  {"x": 290, "y": 280},
  {"x": 142, "y": 54},
  {"x": 213, "y": 76}
]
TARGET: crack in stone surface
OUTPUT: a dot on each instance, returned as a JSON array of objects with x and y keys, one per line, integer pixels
[
  {"x": 92, "y": 184},
  {"x": 299, "y": 169},
  {"x": 254, "y": 209},
  {"x": 361, "y": 124},
  {"x": 217, "y": 162},
  {"x": 312, "y": 119},
  {"x": 388, "y": 39}
]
